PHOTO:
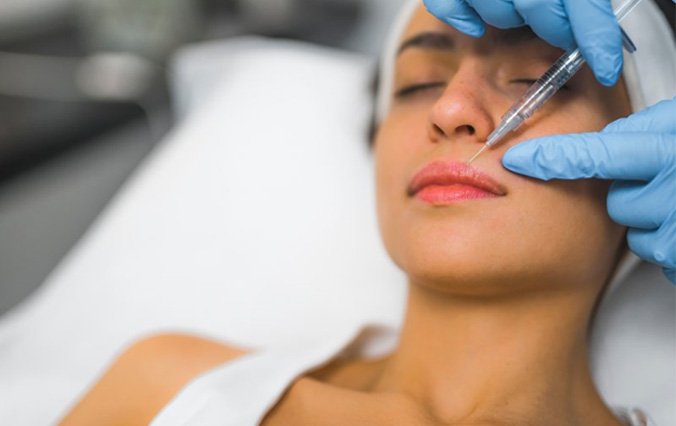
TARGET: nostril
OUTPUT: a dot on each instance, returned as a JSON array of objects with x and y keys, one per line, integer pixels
[
  {"x": 438, "y": 130},
  {"x": 470, "y": 130}
]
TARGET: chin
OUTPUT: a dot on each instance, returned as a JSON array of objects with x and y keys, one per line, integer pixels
[
  {"x": 469, "y": 261},
  {"x": 454, "y": 259}
]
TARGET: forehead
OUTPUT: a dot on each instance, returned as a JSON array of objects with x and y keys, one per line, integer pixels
[{"x": 422, "y": 22}]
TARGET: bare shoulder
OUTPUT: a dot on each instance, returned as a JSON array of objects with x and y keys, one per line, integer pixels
[
  {"x": 146, "y": 376},
  {"x": 181, "y": 347}
]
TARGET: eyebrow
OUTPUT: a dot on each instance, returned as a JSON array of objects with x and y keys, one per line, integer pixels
[
  {"x": 444, "y": 41},
  {"x": 428, "y": 40}
]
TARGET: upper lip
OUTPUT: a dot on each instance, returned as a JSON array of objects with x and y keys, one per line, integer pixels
[{"x": 453, "y": 172}]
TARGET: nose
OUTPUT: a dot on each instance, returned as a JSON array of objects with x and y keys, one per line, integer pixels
[{"x": 462, "y": 111}]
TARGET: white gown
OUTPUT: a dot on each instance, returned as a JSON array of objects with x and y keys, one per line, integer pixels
[{"x": 241, "y": 392}]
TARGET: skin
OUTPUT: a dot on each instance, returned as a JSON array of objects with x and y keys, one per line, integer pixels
[{"x": 501, "y": 290}]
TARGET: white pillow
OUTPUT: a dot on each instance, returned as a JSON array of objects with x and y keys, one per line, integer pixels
[{"x": 254, "y": 223}]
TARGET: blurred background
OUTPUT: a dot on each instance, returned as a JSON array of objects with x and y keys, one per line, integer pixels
[{"x": 84, "y": 98}]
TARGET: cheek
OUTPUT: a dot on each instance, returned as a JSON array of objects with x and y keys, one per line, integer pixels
[
  {"x": 587, "y": 109},
  {"x": 388, "y": 158},
  {"x": 564, "y": 226},
  {"x": 398, "y": 137}
]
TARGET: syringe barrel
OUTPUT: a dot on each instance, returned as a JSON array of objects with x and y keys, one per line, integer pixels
[
  {"x": 556, "y": 76},
  {"x": 547, "y": 86}
]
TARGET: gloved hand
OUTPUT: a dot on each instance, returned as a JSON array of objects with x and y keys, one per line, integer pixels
[
  {"x": 588, "y": 24},
  {"x": 639, "y": 153}
]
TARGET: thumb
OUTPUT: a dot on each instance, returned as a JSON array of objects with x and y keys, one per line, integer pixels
[{"x": 624, "y": 156}]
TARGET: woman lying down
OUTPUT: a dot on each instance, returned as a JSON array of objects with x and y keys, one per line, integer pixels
[{"x": 504, "y": 272}]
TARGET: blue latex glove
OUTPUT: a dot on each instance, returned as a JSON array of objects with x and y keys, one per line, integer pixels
[
  {"x": 588, "y": 24},
  {"x": 639, "y": 153}
]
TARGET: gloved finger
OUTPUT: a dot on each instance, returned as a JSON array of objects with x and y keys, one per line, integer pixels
[
  {"x": 671, "y": 275},
  {"x": 549, "y": 20},
  {"x": 639, "y": 205},
  {"x": 656, "y": 246},
  {"x": 658, "y": 118},
  {"x": 458, "y": 14},
  {"x": 624, "y": 156},
  {"x": 498, "y": 13},
  {"x": 598, "y": 36}
]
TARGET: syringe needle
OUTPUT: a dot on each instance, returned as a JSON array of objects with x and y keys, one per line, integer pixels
[
  {"x": 505, "y": 127},
  {"x": 481, "y": 151}
]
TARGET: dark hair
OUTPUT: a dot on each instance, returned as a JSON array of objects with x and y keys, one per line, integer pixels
[{"x": 373, "y": 125}]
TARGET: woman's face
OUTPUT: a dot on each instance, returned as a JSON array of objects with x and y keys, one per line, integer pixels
[{"x": 450, "y": 92}]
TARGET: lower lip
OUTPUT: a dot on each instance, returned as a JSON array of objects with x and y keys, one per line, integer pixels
[{"x": 440, "y": 195}]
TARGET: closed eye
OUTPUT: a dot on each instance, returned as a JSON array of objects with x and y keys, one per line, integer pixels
[
  {"x": 410, "y": 90},
  {"x": 529, "y": 82}
]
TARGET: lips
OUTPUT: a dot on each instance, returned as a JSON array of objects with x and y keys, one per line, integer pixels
[{"x": 445, "y": 182}]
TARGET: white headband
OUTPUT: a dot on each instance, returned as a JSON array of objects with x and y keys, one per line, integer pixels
[{"x": 649, "y": 73}]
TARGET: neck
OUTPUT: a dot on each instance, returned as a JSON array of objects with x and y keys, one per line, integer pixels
[{"x": 479, "y": 359}]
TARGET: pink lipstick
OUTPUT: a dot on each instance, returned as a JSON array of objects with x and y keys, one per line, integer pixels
[{"x": 446, "y": 182}]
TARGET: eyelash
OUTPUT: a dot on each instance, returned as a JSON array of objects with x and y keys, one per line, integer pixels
[
  {"x": 530, "y": 82},
  {"x": 526, "y": 81},
  {"x": 410, "y": 90}
]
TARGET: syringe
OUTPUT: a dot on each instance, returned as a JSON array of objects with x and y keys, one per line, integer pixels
[{"x": 544, "y": 88}]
